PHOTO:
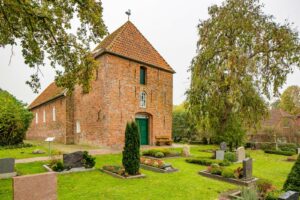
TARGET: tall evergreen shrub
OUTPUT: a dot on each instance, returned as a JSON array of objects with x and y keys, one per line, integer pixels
[
  {"x": 293, "y": 180},
  {"x": 131, "y": 152}
]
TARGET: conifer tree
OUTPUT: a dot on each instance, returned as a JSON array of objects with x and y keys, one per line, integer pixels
[{"x": 131, "y": 152}]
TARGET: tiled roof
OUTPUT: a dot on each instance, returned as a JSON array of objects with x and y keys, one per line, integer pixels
[
  {"x": 50, "y": 93},
  {"x": 127, "y": 41},
  {"x": 275, "y": 116}
]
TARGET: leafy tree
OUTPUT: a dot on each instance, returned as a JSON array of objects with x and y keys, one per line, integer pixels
[
  {"x": 43, "y": 29},
  {"x": 131, "y": 152},
  {"x": 243, "y": 55},
  {"x": 14, "y": 119},
  {"x": 290, "y": 100},
  {"x": 182, "y": 126},
  {"x": 293, "y": 180}
]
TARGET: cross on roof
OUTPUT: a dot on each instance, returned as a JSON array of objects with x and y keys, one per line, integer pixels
[{"x": 128, "y": 12}]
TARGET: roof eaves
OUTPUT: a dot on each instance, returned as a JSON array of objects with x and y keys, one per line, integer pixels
[
  {"x": 135, "y": 60},
  {"x": 51, "y": 99}
]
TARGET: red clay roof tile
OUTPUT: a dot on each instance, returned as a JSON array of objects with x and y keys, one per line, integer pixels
[
  {"x": 51, "y": 92},
  {"x": 128, "y": 41}
]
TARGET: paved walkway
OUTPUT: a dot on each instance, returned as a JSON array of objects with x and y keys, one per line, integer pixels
[{"x": 92, "y": 152}]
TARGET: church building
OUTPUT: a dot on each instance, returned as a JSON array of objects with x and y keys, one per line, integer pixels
[{"x": 133, "y": 82}]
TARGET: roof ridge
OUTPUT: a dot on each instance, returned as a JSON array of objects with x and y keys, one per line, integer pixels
[
  {"x": 121, "y": 29},
  {"x": 152, "y": 46}
]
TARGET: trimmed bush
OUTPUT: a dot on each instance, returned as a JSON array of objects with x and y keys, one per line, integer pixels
[
  {"x": 293, "y": 180},
  {"x": 228, "y": 173},
  {"x": 225, "y": 163},
  {"x": 14, "y": 119},
  {"x": 131, "y": 152},
  {"x": 166, "y": 152},
  {"x": 278, "y": 152},
  {"x": 57, "y": 165},
  {"x": 288, "y": 147},
  {"x": 88, "y": 160},
  {"x": 204, "y": 162},
  {"x": 230, "y": 156},
  {"x": 207, "y": 162},
  {"x": 17, "y": 146},
  {"x": 159, "y": 155}
]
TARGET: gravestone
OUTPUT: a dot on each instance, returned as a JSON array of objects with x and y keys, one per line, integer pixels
[
  {"x": 240, "y": 154},
  {"x": 223, "y": 146},
  {"x": 35, "y": 187},
  {"x": 298, "y": 150},
  {"x": 247, "y": 168},
  {"x": 73, "y": 160},
  {"x": 38, "y": 151},
  {"x": 186, "y": 151},
  {"x": 220, "y": 155},
  {"x": 289, "y": 195},
  {"x": 7, "y": 168}
]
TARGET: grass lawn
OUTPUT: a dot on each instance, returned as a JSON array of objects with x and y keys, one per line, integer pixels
[
  {"x": 22, "y": 152},
  {"x": 185, "y": 184}
]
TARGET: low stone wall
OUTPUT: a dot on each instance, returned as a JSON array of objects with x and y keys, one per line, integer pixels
[{"x": 35, "y": 187}]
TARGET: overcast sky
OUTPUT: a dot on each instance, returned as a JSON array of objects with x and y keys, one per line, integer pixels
[{"x": 170, "y": 25}]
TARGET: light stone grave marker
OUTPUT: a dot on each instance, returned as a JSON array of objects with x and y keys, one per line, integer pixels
[{"x": 220, "y": 155}]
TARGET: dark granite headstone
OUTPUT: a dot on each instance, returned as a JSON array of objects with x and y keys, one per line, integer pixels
[
  {"x": 289, "y": 195},
  {"x": 223, "y": 146},
  {"x": 73, "y": 160},
  {"x": 247, "y": 168},
  {"x": 7, "y": 165}
]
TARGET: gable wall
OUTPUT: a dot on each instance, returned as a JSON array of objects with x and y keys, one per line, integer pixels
[{"x": 116, "y": 95}]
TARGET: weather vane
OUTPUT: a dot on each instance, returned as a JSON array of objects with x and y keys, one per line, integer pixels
[{"x": 128, "y": 12}]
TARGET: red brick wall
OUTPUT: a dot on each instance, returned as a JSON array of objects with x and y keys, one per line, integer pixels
[
  {"x": 114, "y": 100},
  {"x": 49, "y": 128}
]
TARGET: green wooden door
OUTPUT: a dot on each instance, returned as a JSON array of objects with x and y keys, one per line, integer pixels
[{"x": 143, "y": 129}]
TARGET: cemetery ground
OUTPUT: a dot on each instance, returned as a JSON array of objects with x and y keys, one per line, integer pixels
[{"x": 184, "y": 184}]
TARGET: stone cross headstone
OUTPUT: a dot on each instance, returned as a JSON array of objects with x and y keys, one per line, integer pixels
[
  {"x": 223, "y": 146},
  {"x": 220, "y": 155},
  {"x": 289, "y": 195},
  {"x": 7, "y": 168},
  {"x": 73, "y": 160},
  {"x": 240, "y": 154},
  {"x": 186, "y": 151},
  {"x": 298, "y": 150},
  {"x": 247, "y": 168}
]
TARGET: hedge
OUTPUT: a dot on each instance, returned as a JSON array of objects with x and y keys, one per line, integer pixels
[{"x": 278, "y": 152}]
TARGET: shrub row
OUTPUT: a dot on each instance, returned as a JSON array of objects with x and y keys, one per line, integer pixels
[
  {"x": 279, "y": 152},
  {"x": 160, "y": 153},
  {"x": 17, "y": 146},
  {"x": 208, "y": 162}
]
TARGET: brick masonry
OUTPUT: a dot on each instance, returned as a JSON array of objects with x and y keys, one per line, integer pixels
[
  {"x": 35, "y": 187},
  {"x": 114, "y": 99},
  {"x": 100, "y": 116},
  {"x": 49, "y": 128}
]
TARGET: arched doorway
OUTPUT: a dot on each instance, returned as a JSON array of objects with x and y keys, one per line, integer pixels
[{"x": 143, "y": 122}]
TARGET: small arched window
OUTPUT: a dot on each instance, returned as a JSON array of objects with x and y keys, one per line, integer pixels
[{"x": 143, "y": 98}]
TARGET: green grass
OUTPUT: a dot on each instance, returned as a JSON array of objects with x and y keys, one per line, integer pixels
[
  {"x": 21, "y": 169},
  {"x": 179, "y": 185},
  {"x": 20, "y": 153}
]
